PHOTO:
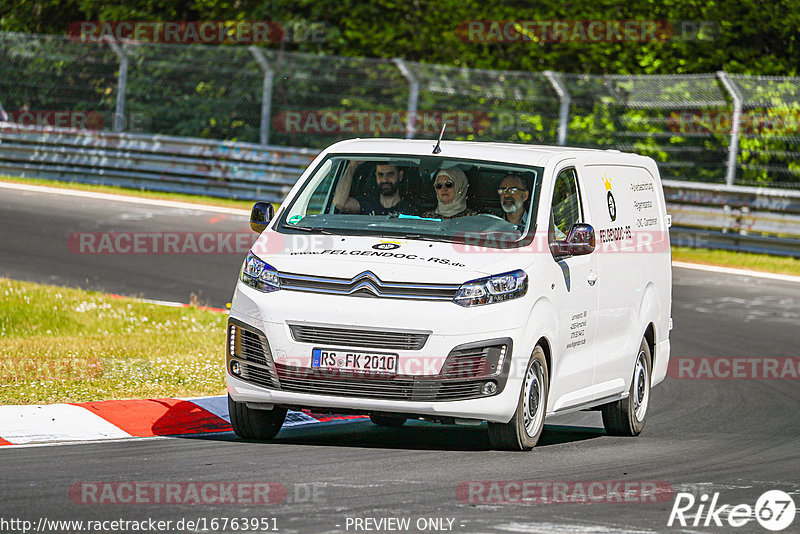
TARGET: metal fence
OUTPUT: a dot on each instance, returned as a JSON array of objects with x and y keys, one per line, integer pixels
[{"x": 710, "y": 128}]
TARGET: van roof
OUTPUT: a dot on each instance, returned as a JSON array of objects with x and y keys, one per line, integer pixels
[{"x": 506, "y": 152}]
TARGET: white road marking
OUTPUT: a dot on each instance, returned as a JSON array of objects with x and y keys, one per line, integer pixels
[
  {"x": 122, "y": 198},
  {"x": 741, "y": 272},
  {"x": 159, "y": 302}
]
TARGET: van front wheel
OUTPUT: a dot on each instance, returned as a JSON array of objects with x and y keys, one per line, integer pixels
[
  {"x": 525, "y": 427},
  {"x": 255, "y": 424},
  {"x": 626, "y": 417}
]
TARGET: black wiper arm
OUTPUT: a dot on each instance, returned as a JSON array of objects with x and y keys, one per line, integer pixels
[
  {"x": 313, "y": 229},
  {"x": 422, "y": 237}
]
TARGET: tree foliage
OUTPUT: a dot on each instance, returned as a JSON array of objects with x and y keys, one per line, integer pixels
[{"x": 750, "y": 36}]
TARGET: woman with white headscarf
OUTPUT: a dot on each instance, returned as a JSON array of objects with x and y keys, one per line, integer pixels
[{"x": 451, "y": 191}]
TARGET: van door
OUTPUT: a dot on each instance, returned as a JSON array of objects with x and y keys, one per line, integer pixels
[
  {"x": 630, "y": 235},
  {"x": 576, "y": 299}
]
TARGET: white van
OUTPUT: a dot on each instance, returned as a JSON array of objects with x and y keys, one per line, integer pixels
[{"x": 461, "y": 283}]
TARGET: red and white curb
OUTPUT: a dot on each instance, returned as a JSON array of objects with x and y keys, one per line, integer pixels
[
  {"x": 119, "y": 419},
  {"x": 168, "y": 303}
]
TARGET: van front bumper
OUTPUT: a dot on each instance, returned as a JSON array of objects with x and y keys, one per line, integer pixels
[{"x": 427, "y": 383}]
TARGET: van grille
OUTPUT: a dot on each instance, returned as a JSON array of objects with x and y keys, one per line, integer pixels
[
  {"x": 474, "y": 362},
  {"x": 351, "y": 337},
  {"x": 262, "y": 376},
  {"x": 301, "y": 380},
  {"x": 367, "y": 284},
  {"x": 252, "y": 347}
]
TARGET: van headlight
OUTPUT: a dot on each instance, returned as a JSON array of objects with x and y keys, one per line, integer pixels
[
  {"x": 259, "y": 274},
  {"x": 497, "y": 288}
]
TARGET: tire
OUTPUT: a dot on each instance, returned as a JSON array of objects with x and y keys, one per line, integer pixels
[
  {"x": 523, "y": 430},
  {"x": 386, "y": 420},
  {"x": 627, "y": 417},
  {"x": 255, "y": 424}
]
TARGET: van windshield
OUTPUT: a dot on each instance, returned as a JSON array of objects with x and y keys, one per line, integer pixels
[{"x": 417, "y": 197}]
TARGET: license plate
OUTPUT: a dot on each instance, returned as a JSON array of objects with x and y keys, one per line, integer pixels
[{"x": 347, "y": 360}]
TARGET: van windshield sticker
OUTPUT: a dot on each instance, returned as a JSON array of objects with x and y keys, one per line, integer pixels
[{"x": 381, "y": 254}]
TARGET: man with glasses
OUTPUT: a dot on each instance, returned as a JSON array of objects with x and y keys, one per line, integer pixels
[{"x": 513, "y": 198}]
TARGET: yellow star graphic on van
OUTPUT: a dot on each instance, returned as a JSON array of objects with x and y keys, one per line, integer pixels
[{"x": 607, "y": 183}]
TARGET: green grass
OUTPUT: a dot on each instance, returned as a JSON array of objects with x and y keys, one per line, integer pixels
[
  {"x": 68, "y": 345},
  {"x": 180, "y": 197},
  {"x": 739, "y": 260}
]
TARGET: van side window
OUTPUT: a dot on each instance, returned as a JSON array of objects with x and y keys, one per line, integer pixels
[{"x": 565, "y": 208}]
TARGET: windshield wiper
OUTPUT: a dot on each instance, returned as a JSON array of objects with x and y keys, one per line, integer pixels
[
  {"x": 313, "y": 229},
  {"x": 423, "y": 237}
]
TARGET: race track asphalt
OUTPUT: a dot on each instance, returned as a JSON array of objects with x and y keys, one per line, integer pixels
[{"x": 739, "y": 438}]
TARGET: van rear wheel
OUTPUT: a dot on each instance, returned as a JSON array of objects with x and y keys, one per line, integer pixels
[
  {"x": 523, "y": 430},
  {"x": 627, "y": 417},
  {"x": 386, "y": 420},
  {"x": 255, "y": 424}
]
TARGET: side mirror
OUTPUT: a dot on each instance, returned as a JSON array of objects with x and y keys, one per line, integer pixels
[
  {"x": 579, "y": 242},
  {"x": 262, "y": 213}
]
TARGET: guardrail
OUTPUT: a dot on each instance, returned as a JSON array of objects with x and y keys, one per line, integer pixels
[
  {"x": 156, "y": 162},
  {"x": 750, "y": 219}
]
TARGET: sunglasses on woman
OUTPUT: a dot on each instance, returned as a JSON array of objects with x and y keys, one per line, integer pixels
[{"x": 448, "y": 184}]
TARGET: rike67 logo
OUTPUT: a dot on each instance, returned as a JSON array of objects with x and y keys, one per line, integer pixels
[{"x": 774, "y": 510}]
